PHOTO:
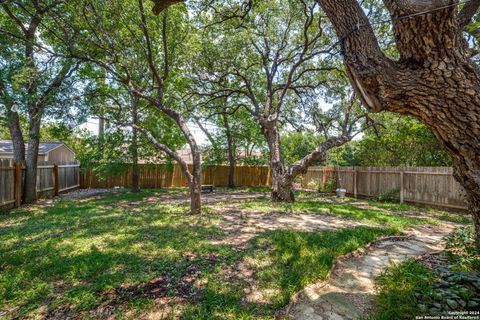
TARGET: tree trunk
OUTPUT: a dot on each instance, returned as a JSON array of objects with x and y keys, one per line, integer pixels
[
  {"x": 16, "y": 136},
  {"x": 31, "y": 161},
  {"x": 282, "y": 187},
  {"x": 282, "y": 182},
  {"x": 474, "y": 208},
  {"x": 135, "y": 177},
  {"x": 434, "y": 80},
  {"x": 134, "y": 148},
  {"x": 231, "y": 152},
  {"x": 194, "y": 178},
  {"x": 196, "y": 183}
]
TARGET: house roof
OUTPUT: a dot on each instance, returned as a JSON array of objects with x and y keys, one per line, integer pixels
[{"x": 6, "y": 146}]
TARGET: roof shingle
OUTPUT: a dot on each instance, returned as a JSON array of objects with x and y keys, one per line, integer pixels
[{"x": 44, "y": 147}]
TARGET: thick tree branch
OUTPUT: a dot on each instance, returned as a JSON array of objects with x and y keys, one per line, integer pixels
[
  {"x": 318, "y": 155},
  {"x": 161, "y": 5},
  {"x": 469, "y": 10}
]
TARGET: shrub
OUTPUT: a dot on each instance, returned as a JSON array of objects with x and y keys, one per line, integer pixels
[
  {"x": 460, "y": 246},
  {"x": 329, "y": 186},
  {"x": 392, "y": 195},
  {"x": 312, "y": 185}
]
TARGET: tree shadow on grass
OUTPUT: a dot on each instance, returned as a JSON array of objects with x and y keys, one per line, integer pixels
[
  {"x": 295, "y": 259},
  {"x": 73, "y": 257},
  {"x": 65, "y": 255}
]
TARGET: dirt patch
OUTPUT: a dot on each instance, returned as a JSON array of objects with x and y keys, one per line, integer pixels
[
  {"x": 179, "y": 199},
  {"x": 242, "y": 225},
  {"x": 159, "y": 287},
  {"x": 86, "y": 193}
]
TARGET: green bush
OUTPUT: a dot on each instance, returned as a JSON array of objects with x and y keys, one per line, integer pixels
[
  {"x": 460, "y": 246},
  {"x": 392, "y": 195},
  {"x": 312, "y": 185},
  {"x": 329, "y": 186}
]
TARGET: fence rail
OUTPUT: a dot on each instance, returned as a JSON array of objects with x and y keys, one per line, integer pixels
[
  {"x": 162, "y": 176},
  {"x": 419, "y": 185},
  {"x": 51, "y": 180}
]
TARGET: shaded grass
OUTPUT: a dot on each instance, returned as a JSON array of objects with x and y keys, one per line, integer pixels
[
  {"x": 66, "y": 254},
  {"x": 397, "y": 286},
  {"x": 457, "y": 217}
]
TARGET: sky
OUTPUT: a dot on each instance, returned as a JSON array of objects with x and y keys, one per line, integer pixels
[{"x": 200, "y": 137}]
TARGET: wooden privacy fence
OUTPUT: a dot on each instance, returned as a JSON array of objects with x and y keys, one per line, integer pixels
[
  {"x": 51, "y": 179},
  {"x": 162, "y": 176},
  {"x": 420, "y": 185}
]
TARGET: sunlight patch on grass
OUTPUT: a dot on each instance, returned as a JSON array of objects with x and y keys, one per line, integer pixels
[
  {"x": 344, "y": 210},
  {"x": 290, "y": 260}
]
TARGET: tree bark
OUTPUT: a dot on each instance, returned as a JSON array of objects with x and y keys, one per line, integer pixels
[
  {"x": 31, "y": 160},
  {"x": 14, "y": 126},
  {"x": 282, "y": 182},
  {"x": 196, "y": 183},
  {"x": 231, "y": 152},
  {"x": 17, "y": 136},
  {"x": 134, "y": 148},
  {"x": 434, "y": 80}
]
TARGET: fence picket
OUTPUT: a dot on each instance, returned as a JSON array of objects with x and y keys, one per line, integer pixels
[{"x": 423, "y": 185}]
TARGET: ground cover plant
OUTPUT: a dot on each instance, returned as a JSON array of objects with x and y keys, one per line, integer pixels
[{"x": 128, "y": 255}]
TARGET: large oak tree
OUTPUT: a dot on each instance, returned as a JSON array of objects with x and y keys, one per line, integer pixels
[
  {"x": 35, "y": 82},
  {"x": 276, "y": 65},
  {"x": 143, "y": 54},
  {"x": 434, "y": 79}
]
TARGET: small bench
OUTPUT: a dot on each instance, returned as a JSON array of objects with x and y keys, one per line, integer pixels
[{"x": 207, "y": 188}]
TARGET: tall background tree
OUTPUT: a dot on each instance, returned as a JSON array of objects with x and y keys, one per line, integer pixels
[
  {"x": 142, "y": 53},
  {"x": 399, "y": 141},
  {"x": 233, "y": 136},
  {"x": 35, "y": 81},
  {"x": 275, "y": 65}
]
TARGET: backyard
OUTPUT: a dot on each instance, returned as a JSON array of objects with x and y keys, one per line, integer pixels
[
  {"x": 116, "y": 254},
  {"x": 240, "y": 159}
]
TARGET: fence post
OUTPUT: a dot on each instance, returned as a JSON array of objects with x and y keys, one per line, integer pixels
[
  {"x": 18, "y": 184},
  {"x": 401, "y": 187},
  {"x": 324, "y": 174},
  {"x": 354, "y": 182},
  {"x": 81, "y": 178},
  {"x": 56, "y": 180}
]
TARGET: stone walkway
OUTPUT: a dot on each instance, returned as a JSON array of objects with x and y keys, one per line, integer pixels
[{"x": 348, "y": 293}]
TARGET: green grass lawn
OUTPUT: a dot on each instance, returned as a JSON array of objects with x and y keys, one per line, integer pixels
[
  {"x": 78, "y": 257},
  {"x": 343, "y": 210}
]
